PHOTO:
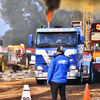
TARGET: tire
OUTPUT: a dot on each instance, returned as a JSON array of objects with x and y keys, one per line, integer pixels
[
  {"x": 39, "y": 81},
  {"x": 80, "y": 79},
  {"x": 29, "y": 57},
  {"x": 23, "y": 60},
  {"x": 2, "y": 65},
  {"x": 91, "y": 79}
]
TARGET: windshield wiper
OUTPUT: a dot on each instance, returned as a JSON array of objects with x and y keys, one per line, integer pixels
[{"x": 43, "y": 45}]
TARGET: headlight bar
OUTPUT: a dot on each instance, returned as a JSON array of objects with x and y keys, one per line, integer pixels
[
  {"x": 72, "y": 67},
  {"x": 39, "y": 68}
]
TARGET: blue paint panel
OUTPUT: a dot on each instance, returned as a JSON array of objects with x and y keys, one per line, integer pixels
[
  {"x": 74, "y": 58},
  {"x": 82, "y": 39},
  {"x": 39, "y": 59},
  {"x": 45, "y": 68}
]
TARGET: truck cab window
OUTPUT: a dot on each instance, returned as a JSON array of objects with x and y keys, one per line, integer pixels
[{"x": 55, "y": 39}]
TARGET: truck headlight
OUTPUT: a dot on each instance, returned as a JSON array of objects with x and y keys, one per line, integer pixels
[
  {"x": 71, "y": 59},
  {"x": 72, "y": 67},
  {"x": 48, "y": 61},
  {"x": 39, "y": 68}
]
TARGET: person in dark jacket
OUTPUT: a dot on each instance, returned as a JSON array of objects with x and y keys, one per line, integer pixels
[{"x": 57, "y": 74}]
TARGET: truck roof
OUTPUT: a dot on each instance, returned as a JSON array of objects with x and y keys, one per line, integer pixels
[
  {"x": 14, "y": 46},
  {"x": 66, "y": 29}
]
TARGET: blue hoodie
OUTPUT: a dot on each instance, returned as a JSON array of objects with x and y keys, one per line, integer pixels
[{"x": 57, "y": 71}]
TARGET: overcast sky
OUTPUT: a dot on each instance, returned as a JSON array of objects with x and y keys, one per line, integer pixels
[{"x": 3, "y": 26}]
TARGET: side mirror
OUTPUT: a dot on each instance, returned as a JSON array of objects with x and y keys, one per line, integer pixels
[
  {"x": 31, "y": 40},
  {"x": 82, "y": 39}
]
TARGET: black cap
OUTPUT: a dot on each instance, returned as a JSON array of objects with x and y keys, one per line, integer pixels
[{"x": 60, "y": 49}]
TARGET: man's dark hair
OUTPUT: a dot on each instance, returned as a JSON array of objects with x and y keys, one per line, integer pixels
[{"x": 60, "y": 49}]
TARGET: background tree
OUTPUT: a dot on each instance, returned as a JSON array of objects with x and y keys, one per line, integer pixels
[{"x": 25, "y": 16}]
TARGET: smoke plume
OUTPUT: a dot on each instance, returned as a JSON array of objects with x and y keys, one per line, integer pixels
[
  {"x": 71, "y": 5},
  {"x": 52, "y": 5}
]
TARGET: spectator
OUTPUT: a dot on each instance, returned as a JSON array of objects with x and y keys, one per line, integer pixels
[
  {"x": 71, "y": 39},
  {"x": 46, "y": 40},
  {"x": 57, "y": 74}
]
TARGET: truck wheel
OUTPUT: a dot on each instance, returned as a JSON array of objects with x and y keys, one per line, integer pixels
[
  {"x": 2, "y": 67},
  {"x": 23, "y": 60},
  {"x": 80, "y": 79},
  {"x": 91, "y": 79},
  {"x": 39, "y": 81},
  {"x": 28, "y": 56}
]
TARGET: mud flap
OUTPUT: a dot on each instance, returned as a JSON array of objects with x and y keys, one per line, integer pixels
[
  {"x": 80, "y": 79},
  {"x": 91, "y": 79}
]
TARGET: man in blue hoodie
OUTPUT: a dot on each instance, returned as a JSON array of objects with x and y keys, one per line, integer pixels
[{"x": 57, "y": 74}]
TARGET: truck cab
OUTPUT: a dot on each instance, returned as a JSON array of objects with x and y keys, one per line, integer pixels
[
  {"x": 72, "y": 41},
  {"x": 17, "y": 56}
]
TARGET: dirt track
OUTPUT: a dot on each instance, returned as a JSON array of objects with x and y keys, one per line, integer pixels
[{"x": 13, "y": 91}]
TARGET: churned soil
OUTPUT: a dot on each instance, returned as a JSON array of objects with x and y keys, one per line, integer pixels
[{"x": 13, "y": 91}]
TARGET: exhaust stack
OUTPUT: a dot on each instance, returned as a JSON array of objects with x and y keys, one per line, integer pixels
[
  {"x": 48, "y": 24},
  {"x": 49, "y": 16}
]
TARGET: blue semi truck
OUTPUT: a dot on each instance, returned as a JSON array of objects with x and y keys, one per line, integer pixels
[{"x": 45, "y": 51}]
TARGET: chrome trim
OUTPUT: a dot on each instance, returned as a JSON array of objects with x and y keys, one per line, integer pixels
[{"x": 41, "y": 78}]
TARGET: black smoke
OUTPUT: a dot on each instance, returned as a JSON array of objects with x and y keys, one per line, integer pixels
[{"x": 52, "y": 5}]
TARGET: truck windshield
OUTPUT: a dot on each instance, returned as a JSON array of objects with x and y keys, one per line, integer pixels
[
  {"x": 10, "y": 50},
  {"x": 50, "y": 40}
]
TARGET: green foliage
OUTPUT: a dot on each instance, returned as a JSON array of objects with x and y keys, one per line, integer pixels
[{"x": 24, "y": 17}]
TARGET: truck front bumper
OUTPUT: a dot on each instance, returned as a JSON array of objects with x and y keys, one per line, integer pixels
[{"x": 43, "y": 75}]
